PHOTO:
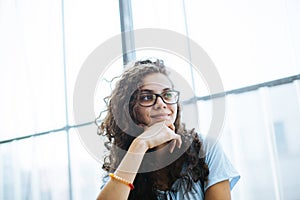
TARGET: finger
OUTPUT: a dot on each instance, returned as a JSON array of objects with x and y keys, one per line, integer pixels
[
  {"x": 173, "y": 145},
  {"x": 176, "y": 141},
  {"x": 179, "y": 141},
  {"x": 176, "y": 138}
]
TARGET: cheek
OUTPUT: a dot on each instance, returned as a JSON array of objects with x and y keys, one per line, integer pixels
[
  {"x": 174, "y": 110},
  {"x": 141, "y": 114}
]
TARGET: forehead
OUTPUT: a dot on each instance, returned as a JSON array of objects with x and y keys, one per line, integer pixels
[{"x": 156, "y": 82}]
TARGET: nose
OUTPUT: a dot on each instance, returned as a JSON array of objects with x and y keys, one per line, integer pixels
[{"x": 159, "y": 103}]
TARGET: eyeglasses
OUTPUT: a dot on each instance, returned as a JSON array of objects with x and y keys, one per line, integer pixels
[{"x": 147, "y": 99}]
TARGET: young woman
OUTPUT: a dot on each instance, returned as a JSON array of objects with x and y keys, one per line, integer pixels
[{"x": 151, "y": 154}]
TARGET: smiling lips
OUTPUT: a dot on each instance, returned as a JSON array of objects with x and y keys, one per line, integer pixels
[{"x": 161, "y": 116}]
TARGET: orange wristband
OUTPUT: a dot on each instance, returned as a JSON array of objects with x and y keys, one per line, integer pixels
[{"x": 121, "y": 180}]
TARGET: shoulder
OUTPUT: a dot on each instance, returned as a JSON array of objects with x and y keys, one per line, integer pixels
[{"x": 220, "y": 166}]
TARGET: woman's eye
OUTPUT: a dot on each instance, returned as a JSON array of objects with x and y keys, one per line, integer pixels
[
  {"x": 168, "y": 95},
  {"x": 146, "y": 97}
]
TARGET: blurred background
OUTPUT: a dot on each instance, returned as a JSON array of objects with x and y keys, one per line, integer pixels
[{"x": 255, "y": 46}]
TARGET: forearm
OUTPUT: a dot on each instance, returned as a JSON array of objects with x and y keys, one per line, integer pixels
[{"x": 127, "y": 170}]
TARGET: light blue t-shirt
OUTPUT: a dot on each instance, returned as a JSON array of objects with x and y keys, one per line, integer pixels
[{"x": 220, "y": 169}]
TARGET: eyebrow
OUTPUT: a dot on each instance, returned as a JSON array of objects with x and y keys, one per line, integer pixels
[{"x": 151, "y": 91}]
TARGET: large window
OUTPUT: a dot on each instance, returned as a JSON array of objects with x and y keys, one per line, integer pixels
[{"x": 254, "y": 46}]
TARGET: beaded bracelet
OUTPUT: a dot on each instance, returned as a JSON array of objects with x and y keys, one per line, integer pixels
[{"x": 113, "y": 176}]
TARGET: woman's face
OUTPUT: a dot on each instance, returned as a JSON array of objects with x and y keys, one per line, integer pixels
[{"x": 156, "y": 83}]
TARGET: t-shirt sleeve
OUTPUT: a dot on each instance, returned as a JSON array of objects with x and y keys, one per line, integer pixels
[
  {"x": 105, "y": 179},
  {"x": 220, "y": 167}
]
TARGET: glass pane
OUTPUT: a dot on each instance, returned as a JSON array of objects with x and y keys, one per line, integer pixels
[
  {"x": 249, "y": 42},
  {"x": 86, "y": 171},
  {"x": 35, "y": 168},
  {"x": 88, "y": 24},
  {"x": 292, "y": 9},
  {"x": 285, "y": 107},
  {"x": 105, "y": 85},
  {"x": 260, "y": 136},
  {"x": 246, "y": 140},
  {"x": 31, "y": 77},
  {"x": 159, "y": 14}
]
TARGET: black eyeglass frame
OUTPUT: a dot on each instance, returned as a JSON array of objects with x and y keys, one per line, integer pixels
[{"x": 160, "y": 95}]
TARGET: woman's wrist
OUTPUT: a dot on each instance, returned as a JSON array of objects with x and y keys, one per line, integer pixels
[
  {"x": 138, "y": 146},
  {"x": 130, "y": 164}
]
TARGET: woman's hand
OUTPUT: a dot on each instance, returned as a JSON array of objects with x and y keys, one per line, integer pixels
[{"x": 160, "y": 133}]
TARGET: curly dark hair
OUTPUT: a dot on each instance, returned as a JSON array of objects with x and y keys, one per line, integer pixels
[{"x": 120, "y": 120}]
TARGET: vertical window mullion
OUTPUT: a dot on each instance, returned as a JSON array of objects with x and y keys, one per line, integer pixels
[
  {"x": 66, "y": 98},
  {"x": 126, "y": 22}
]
